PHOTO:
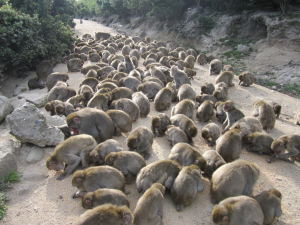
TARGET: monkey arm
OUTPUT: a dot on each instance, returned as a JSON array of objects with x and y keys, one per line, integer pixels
[
  {"x": 153, "y": 131},
  {"x": 278, "y": 211},
  {"x": 257, "y": 148},
  {"x": 73, "y": 161}
]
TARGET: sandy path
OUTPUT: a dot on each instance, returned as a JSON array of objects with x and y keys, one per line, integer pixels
[{"x": 40, "y": 199}]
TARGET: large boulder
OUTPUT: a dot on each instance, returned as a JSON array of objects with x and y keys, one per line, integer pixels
[
  {"x": 36, "y": 98},
  {"x": 28, "y": 124},
  {"x": 5, "y": 107},
  {"x": 7, "y": 161}
]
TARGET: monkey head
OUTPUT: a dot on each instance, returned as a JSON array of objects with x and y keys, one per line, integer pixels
[
  {"x": 87, "y": 200},
  {"x": 77, "y": 180},
  {"x": 60, "y": 109},
  {"x": 160, "y": 187},
  {"x": 156, "y": 122},
  {"x": 229, "y": 105},
  {"x": 275, "y": 192},
  {"x": 133, "y": 143},
  {"x": 49, "y": 107},
  {"x": 220, "y": 215},
  {"x": 205, "y": 134},
  {"x": 200, "y": 162},
  {"x": 73, "y": 122},
  {"x": 191, "y": 130},
  {"x": 110, "y": 158},
  {"x": 241, "y": 78},
  {"x": 53, "y": 164},
  {"x": 143, "y": 185},
  {"x": 278, "y": 146},
  {"x": 219, "y": 109}
]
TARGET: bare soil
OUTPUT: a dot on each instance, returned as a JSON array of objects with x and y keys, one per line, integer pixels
[{"x": 39, "y": 199}]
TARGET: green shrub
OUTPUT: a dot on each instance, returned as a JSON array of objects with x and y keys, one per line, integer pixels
[{"x": 206, "y": 23}]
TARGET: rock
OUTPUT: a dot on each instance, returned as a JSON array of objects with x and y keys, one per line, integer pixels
[
  {"x": 20, "y": 89},
  {"x": 7, "y": 161},
  {"x": 274, "y": 88},
  {"x": 28, "y": 124},
  {"x": 142, "y": 34},
  {"x": 38, "y": 99},
  {"x": 35, "y": 155},
  {"x": 32, "y": 176},
  {"x": 17, "y": 102},
  {"x": 25, "y": 190},
  {"x": 5, "y": 107},
  {"x": 55, "y": 120},
  {"x": 243, "y": 48}
]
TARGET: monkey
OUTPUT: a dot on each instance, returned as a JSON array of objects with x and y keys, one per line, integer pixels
[
  {"x": 270, "y": 203},
  {"x": 101, "y": 36},
  {"x": 99, "y": 153},
  {"x": 215, "y": 67},
  {"x": 50, "y": 106},
  {"x": 75, "y": 101},
  {"x": 186, "y": 186},
  {"x": 75, "y": 65},
  {"x": 84, "y": 57},
  {"x": 160, "y": 123},
  {"x": 115, "y": 64},
  {"x": 204, "y": 97},
  {"x": 258, "y": 142},
  {"x": 85, "y": 50},
  {"x": 153, "y": 79},
  {"x": 164, "y": 61},
  {"x": 161, "y": 171},
  {"x": 210, "y": 133},
  {"x": 185, "y": 155},
  {"x": 121, "y": 92},
  {"x": 205, "y": 111},
  {"x": 80, "y": 21},
  {"x": 150, "y": 89},
  {"x": 226, "y": 77},
  {"x": 185, "y": 107},
  {"x": 122, "y": 121},
  {"x": 54, "y": 77},
  {"x": 71, "y": 152},
  {"x": 128, "y": 64},
  {"x": 233, "y": 114},
  {"x": 104, "y": 71},
  {"x": 90, "y": 81},
  {"x": 174, "y": 91},
  {"x": 143, "y": 103},
  {"x": 228, "y": 68},
  {"x": 190, "y": 73},
  {"x": 107, "y": 214},
  {"x": 201, "y": 59},
  {"x": 220, "y": 113},
  {"x": 149, "y": 62},
  {"x": 64, "y": 108},
  {"x": 179, "y": 76},
  {"x": 129, "y": 163},
  {"x": 265, "y": 113},
  {"x": 104, "y": 54},
  {"x": 127, "y": 106},
  {"x": 246, "y": 79},
  {"x": 229, "y": 145},
  {"x": 149, "y": 208},
  {"x": 163, "y": 99},
  {"x": 164, "y": 50},
  {"x": 210, "y": 58},
  {"x": 36, "y": 82},
  {"x": 86, "y": 69},
  {"x": 91, "y": 121},
  {"x": 140, "y": 140},
  {"x": 173, "y": 54},
  {"x": 107, "y": 84},
  {"x": 192, "y": 52},
  {"x": 277, "y": 110},
  {"x": 94, "y": 57},
  {"x": 87, "y": 93},
  {"x": 189, "y": 62},
  {"x": 176, "y": 135},
  {"x": 135, "y": 73},
  {"x": 185, "y": 124},
  {"x": 135, "y": 53},
  {"x": 130, "y": 82},
  {"x": 125, "y": 50},
  {"x": 182, "y": 55},
  {"x": 214, "y": 161},
  {"x": 95, "y": 177},
  {"x": 221, "y": 85},
  {"x": 289, "y": 143},
  {"x": 176, "y": 62},
  {"x": 118, "y": 76},
  {"x": 247, "y": 125},
  {"x": 207, "y": 88},
  {"x": 186, "y": 92},
  {"x": 61, "y": 93},
  {"x": 221, "y": 93},
  {"x": 99, "y": 100},
  {"x": 238, "y": 210},
  {"x": 233, "y": 179},
  {"x": 44, "y": 69},
  {"x": 104, "y": 196},
  {"x": 156, "y": 72}
]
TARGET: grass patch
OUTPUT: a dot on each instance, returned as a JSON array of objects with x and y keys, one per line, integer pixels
[
  {"x": 4, "y": 185},
  {"x": 294, "y": 87}
]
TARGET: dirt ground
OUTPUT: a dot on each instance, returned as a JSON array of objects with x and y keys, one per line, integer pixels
[{"x": 39, "y": 199}]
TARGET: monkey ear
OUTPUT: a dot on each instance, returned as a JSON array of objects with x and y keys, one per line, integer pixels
[
  {"x": 126, "y": 218},
  {"x": 196, "y": 161},
  {"x": 79, "y": 180},
  {"x": 111, "y": 159},
  {"x": 226, "y": 218},
  {"x": 76, "y": 119},
  {"x": 89, "y": 202},
  {"x": 97, "y": 155}
]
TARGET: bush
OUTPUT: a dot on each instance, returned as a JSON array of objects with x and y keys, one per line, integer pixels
[{"x": 25, "y": 38}]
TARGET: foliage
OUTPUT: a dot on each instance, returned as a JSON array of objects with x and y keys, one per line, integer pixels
[
  {"x": 87, "y": 8},
  {"x": 24, "y": 37},
  {"x": 206, "y": 23},
  {"x": 3, "y": 206},
  {"x": 12, "y": 177},
  {"x": 166, "y": 9}
]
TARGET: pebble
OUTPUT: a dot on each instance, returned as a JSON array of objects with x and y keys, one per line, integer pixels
[{"x": 278, "y": 178}]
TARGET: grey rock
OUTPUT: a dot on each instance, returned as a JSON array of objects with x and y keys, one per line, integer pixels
[
  {"x": 28, "y": 124},
  {"x": 17, "y": 102},
  {"x": 25, "y": 190},
  {"x": 243, "y": 48},
  {"x": 21, "y": 88},
  {"x": 38, "y": 99},
  {"x": 33, "y": 177},
  {"x": 55, "y": 120},
  {"x": 7, "y": 161},
  {"x": 274, "y": 88},
  {"x": 35, "y": 155},
  {"x": 5, "y": 107}
]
